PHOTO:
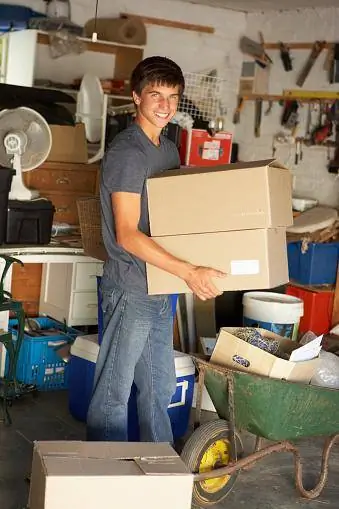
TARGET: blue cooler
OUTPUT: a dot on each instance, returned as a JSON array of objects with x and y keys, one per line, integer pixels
[{"x": 84, "y": 353}]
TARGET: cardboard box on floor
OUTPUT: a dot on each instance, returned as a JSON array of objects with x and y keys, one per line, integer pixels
[
  {"x": 88, "y": 475},
  {"x": 228, "y": 348},
  {"x": 69, "y": 144},
  {"x": 252, "y": 259},
  {"x": 238, "y": 196}
]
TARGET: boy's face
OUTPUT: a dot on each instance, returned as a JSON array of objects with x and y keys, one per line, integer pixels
[{"x": 157, "y": 104}]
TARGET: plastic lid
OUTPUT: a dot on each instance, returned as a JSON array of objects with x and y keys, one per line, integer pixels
[
  {"x": 86, "y": 347},
  {"x": 269, "y": 298},
  {"x": 183, "y": 360}
]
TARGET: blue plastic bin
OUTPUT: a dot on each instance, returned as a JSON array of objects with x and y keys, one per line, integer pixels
[
  {"x": 38, "y": 363},
  {"x": 81, "y": 375},
  {"x": 317, "y": 266}
]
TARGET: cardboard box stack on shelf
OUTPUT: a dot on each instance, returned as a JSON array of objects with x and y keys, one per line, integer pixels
[{"x": 229, "y": 217}]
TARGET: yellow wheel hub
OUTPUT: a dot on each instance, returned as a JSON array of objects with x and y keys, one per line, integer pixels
[{"x": 216, "y": 456}]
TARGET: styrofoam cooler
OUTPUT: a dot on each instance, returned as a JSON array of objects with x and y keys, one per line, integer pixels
[{"x": 84, "y": 353}]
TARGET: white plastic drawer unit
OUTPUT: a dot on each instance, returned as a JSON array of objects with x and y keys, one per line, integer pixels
[
  {"x": 84, "y": 307},
  {"x": 69, "y": 292},
  {"x": 85, "y": 277}
]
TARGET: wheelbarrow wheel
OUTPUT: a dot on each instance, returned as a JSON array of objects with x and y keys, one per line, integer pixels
[{"x": 209, "y": 448}]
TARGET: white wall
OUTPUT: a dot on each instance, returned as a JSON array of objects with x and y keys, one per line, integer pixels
[
  {"x": 311, "y": 176},
  {"x": 194, "y": 52}
]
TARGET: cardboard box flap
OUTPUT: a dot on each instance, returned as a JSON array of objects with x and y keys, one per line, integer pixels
[
  {"x": 238, "y": 354},
  {"x": 67, "y": 466},
  {"x": 102, "y": 450},
  {"x": 188, "y": 170},
  {"x": 102, "y": 458},
  {"x": 241, "y": 355},
  {"x": 162, "y": 466},
  {"x": 72, "y": 466}
]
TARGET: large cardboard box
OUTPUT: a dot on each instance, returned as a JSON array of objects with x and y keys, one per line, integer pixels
[
  {"x": 88, "y": 475},
  {"x": 69, "y": 144},
  {"x": 252, "y": 259},
  {"x": 239, "y": 196},
  {"x": 229, "y": 349}
]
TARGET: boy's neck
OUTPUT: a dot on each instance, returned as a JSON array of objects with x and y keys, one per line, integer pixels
[{"x": 151, "y": 132}]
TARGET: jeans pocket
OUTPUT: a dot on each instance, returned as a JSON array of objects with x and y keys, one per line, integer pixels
[
  {"x": 107, "y": 297},
  {"x": 166, "y": 308}
]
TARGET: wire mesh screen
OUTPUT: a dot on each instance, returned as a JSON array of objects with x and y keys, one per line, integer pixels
[{"x": 203, "y": 97}]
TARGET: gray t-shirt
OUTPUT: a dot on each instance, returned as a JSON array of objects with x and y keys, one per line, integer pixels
[{"x": 131, "y": 158}]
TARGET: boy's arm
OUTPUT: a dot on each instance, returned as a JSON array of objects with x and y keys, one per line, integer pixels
[{"x": 126, "y": 209}]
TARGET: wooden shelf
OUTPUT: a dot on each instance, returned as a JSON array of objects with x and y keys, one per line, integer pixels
[
  {"x": 295, "y": 45},
  {"x": 277, "y": 98},
  {"x": 99, "y": 46},
  {"x": 171, "y": 23},
  {"x": 74, "y": 91}
]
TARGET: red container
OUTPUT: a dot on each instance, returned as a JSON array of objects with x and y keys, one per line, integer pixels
[
  {"x": 198, "y": 148},
  {"x": 318, "y": 307}
]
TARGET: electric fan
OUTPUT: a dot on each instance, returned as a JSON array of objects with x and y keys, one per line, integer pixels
[{"x": 25, "y": 142}]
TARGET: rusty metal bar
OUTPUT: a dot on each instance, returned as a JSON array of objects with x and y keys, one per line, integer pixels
[
  {"x": 315, "y": 492},
  {"x": 244, "y": 462},
  {"x": 201, "y": 383},
  {"x": 231, "y": 415},
  {"x": 281, "y": 447}
]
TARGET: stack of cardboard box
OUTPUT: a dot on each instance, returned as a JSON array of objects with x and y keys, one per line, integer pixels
[{"x": 231, "y": 217}]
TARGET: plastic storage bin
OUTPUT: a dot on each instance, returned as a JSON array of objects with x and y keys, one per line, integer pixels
[
  {"x": 318, "y": 307},
  {"x": 317, "y": 266},
  {"x": 276, "y": 312},
  {"x": 38, "y": 362},
  {"x": 29, "y": 222},
  {"x": 81, "y": 374}
]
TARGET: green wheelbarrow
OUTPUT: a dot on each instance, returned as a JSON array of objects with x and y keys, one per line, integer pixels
[{"x": 271, "y": 409}]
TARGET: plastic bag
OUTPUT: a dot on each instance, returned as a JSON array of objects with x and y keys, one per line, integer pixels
[
  {"x": 63, "y": 42},
  {"x": 327, "y": 373}
]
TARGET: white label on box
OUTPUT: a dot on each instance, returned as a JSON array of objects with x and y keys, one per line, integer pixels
[
  {"x": 244, "y": 267},
  {"x": 211, "y": 150}
]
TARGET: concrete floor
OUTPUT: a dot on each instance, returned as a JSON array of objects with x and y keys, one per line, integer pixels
[{"x": 269, "y": 485}]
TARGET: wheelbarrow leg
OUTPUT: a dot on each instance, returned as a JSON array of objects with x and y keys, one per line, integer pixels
[
  {"x": 257, "y": 447},
  {"x": 315, "y": 492}
]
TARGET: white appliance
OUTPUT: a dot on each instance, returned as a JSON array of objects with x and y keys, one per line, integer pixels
[
  {"x": 92, "y": 111},
  {"x": 25, "y": 142}
]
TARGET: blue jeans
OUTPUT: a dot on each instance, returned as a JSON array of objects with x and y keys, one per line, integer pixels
[{"x": 136, "y": 346}]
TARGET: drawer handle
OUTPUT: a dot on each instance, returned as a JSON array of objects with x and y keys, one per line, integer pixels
[
  {"x": 92, "y": 306},
  {"x": 62, "y": 180},
  {"x": 62, "y": 209}
]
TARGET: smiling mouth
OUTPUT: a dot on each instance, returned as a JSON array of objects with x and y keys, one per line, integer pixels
[{"x": 162, "y": 115}]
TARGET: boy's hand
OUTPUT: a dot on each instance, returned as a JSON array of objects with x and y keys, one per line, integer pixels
[{"x": 199, "y": 280}]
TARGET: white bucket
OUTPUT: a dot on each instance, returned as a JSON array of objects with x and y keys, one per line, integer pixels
[{"x": 276, "y": 312}]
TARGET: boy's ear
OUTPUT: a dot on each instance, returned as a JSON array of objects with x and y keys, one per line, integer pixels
[{"x": 136, "y": 98}]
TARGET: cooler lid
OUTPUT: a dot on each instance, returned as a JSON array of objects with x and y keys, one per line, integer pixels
[
  {"x": 183, "y": 361},
  {"x": 86, "y": 347},
  {"x": 37, "y": 204}
]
